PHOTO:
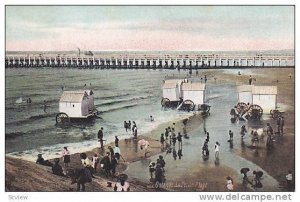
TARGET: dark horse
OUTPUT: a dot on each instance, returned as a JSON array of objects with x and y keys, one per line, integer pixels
[{"x": 80, "y": 176}]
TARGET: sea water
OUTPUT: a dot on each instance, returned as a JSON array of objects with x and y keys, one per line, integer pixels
[{"x": 120, "y": 95}]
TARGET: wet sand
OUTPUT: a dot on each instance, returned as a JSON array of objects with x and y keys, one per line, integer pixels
[{"x": 211, "y": 175}]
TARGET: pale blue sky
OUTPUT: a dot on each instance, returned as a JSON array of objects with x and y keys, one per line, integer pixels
[{"x": 211, "y": 27}]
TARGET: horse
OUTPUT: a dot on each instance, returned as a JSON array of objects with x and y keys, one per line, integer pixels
[{"x": 80, "y": 176}]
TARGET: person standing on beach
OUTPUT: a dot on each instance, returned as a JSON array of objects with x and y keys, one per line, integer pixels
[
  {"x": 243, "y": 131},
  {"x": 170, "y": 133},
  {"x": 134, "y": 124},
  {"x": 161, "y": 161},
  {"x": 129, "y": 125},
  {"x": 95, "y": 162},
  {"x": 179, "y": 138},
  {"x": 269, "y": 129},
  {"x": 117, "y": 152},
  {"x": 217, "y": 150},
  {"x": 116, "y": 141},
  {"x": 111, "y": 151},
  {"x": 174, "y": 154},
  {"x": 230, "y": 136},
  {"x": 105, "y": 164},
  {"x": 166, "y": 134},
  {"x": 162, "y": 142},
  {"x": 135, "y": 132},
  {"x": 289, "y": 180},
  {"x": 174, "y": 138},
  {"x": 126, "y": 125},
  {"x": 100, "y": 137},
  {"x": 66, "y": 157},
  {"x": 185, "y": 122},
  {"x": 281, "y": 124},
  {"x": 86, "y": 162},
  {"x": 113, "y": 164},
  {"x": 250, "y": 80},
  {"x": 151, "y": 169},
  {"x": 207, "y": 137}
]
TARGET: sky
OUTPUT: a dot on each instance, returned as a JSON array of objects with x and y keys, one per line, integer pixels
[{"x": 153, "y": 28}]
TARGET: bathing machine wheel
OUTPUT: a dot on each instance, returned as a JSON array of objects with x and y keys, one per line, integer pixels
[
  {"x": 242, "y": 107},
  {"x": 165, "y": 102},
  {"x": 188, "y": 105},
  {"x": 62, "y": 118},
  {"x": 255, "y": 111}
]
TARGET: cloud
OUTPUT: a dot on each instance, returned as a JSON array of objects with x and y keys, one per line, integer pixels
[{"x": 170, "y": 28}]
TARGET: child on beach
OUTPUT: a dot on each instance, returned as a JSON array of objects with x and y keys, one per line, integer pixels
[
  {"x": 217, "y": 150},
  {"x": 229, "y": 183},
  {"x": 151, "y": 169},
  {"x": 151, "y": 118}
]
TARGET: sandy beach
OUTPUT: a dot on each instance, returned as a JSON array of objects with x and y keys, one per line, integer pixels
[{"x": 192, "y": 169}]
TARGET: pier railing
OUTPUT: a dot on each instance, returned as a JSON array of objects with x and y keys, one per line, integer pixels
[{"x": 135, "y": 61}]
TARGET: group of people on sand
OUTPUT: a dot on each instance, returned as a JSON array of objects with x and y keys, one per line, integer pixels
[
  {"x": 127, "y": 126},
  {"x": 157, "y": 170},
  {"x": 258, "y": 134},
  {"x": 108, "y": 164},
  {"x": 205, "y": 150},
  {"x": 57, "y": 169},
  {"x": 168, "y": 141},
  {"x": 255, "y": 182}
]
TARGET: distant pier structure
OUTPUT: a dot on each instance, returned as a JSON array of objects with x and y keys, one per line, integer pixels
[{"x": 148, "y": 60}]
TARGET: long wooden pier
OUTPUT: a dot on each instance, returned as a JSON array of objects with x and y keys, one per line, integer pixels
[{"x": 149, "y": 61}]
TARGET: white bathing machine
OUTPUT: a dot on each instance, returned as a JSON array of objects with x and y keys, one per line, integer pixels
[
  {"x": 76, "y": 105},
  {"x": 245, "y": 94},
  {"x": 265, "y": 96},
  {"x": 193, "y": 94},
  {"x": 184, "y": 95},
  {"x": 171, "y": 93},
  {"x": 256, "y": 99}
]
